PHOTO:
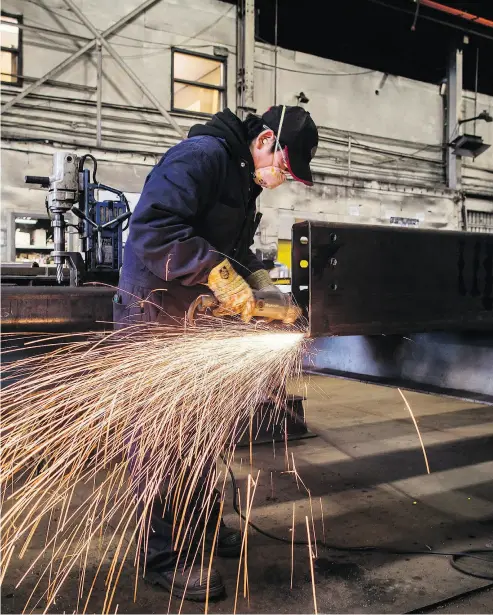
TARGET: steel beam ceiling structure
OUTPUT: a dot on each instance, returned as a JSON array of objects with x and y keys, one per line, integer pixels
[{"x": 101, "y": 38}]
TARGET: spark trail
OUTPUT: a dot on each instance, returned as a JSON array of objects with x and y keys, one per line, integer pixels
[{"x": 119, "y": 413}]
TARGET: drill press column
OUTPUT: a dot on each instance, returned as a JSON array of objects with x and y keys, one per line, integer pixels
[{"x": 64, "y": 188}]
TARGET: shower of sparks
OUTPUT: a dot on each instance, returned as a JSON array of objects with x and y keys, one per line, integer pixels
[{"x": 157, "y": 400}]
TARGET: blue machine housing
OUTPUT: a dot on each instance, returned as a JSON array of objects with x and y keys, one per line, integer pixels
[
  {"x": 101, "y": 226},
  {"x": 112, "y": 237}
]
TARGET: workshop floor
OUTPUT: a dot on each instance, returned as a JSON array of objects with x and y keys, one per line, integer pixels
[{"x": 365, "y": 467}]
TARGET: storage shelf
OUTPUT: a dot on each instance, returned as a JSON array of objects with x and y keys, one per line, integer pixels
[{"x": 35, "y": 248}]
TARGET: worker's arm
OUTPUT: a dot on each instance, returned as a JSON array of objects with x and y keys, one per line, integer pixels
[
  {"x": 252, "y": 263},
  {"x": 248, "y": 263},
  {"x": 161, "y": 228}
]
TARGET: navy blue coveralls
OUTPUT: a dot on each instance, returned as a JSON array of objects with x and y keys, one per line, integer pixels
[{"x": 197, "y": 207}]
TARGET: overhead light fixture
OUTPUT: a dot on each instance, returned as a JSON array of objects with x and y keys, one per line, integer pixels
[
  {"x": 25, "y": 221},
  {"x": 220, "y": 52},
  {"x": 484, "y": 115},
  {"x": 302, "y": 98},
  {"x": 471, "y": 145},
  {"x": 468, "y": 145}
]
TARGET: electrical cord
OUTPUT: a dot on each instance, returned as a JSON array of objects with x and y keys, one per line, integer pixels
[
  {"x": 389, "y": 156},
  {"x": 305, "y": 72},
  {"x": 440, "y": 604},
  {"x": 455, "y": 556},
  {"x": 94, "y": 162},
  {"x": 412, "y": 155}
]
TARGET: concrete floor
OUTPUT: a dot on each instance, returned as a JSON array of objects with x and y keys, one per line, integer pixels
[{"x": 367, "y": 469}]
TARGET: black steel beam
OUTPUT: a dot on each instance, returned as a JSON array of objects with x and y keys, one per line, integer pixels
[
  {"x": 374, "y": 280},
  {"x": 452, "y": 364},
  {"x": 56, "y": 308}
]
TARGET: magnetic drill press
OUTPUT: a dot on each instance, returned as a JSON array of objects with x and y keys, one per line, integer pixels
[{"x": 100, "y": 222}]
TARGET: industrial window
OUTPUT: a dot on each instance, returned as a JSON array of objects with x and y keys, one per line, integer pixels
[
  {"x": 479, "y": 221},
  {"x": 11, "y": 49},
  {"x": 198, "y": 83}
]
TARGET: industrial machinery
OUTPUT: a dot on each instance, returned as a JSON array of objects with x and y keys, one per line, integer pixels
[
  {"x": 268, "y": 306},
  {"x": 42, "y": 299},
  {"x": 100, "y": 226}
]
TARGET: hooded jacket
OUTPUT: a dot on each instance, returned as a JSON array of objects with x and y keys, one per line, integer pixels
[{"x": 197, "y": 207}]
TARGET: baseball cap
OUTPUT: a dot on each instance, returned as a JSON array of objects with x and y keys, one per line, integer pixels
[{"x": 298, "y": 138}]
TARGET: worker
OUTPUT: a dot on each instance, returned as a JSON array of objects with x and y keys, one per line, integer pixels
[{"x": 194, "y": 225}]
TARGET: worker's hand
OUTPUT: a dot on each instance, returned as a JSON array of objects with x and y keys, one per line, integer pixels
[
  {"x": 231, "y": 290},
  {"x": 261, "y": 280},
  {"x": 288, "y": 312}
]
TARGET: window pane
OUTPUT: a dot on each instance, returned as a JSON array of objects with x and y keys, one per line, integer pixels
[
  {"x": 9, "y": 67},
  {"x": 193, "y": 68},
  {"x": 9, "y": 34},
  {"x": 194, "y": 98}
]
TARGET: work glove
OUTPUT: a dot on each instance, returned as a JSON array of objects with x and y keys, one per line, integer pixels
[
  {"x": 231, "y": 290},
  {"x": 260, "y": 280}
]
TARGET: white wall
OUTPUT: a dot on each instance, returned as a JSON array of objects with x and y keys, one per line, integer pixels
[
  {"x": 379, "y": 155},
  {"x": 477, "y": 175},
  {"x": 345, "y": 98}
]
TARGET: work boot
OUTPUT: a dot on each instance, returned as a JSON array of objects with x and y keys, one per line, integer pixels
[
  {"x": 182, "y": 579},
  {"x": 228, "y": 541},
  {"x": 188, "y": 582}
]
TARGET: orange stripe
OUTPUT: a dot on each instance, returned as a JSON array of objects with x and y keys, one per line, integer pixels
[{"x": 458, "y": 13}]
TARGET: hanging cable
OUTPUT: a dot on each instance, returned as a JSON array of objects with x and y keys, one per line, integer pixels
[
  {"x": 413, "y": 27},
  {"x": 305, "y": 72}
]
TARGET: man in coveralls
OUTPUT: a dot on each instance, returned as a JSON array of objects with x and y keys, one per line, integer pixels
[{"x": 196, "y": 212}]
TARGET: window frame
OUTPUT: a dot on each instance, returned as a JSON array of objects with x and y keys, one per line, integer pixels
[
  {"x": 17, "y": 52},
  {"x": 222, "y": 89}
]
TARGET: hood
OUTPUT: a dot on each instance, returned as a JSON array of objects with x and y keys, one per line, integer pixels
[{"x": 227, "y": 126}]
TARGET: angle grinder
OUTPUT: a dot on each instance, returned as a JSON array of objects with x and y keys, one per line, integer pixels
[{"x": 269, "y": 306}]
